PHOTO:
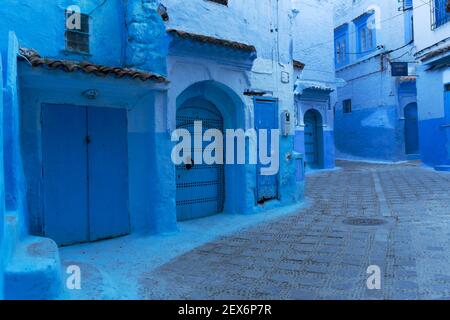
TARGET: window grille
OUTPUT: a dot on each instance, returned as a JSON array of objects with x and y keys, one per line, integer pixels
[{"x": 77, "y": 39}]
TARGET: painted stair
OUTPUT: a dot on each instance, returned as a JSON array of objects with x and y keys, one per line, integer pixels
[
  {"x": 445, "y": 168},
  {"x": 33, "y": 268}
]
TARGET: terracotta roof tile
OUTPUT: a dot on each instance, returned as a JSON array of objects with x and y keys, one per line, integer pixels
[
  {"x": 36, "y": 60},
  {"x": 212, "y": 40},
  {"x": 434, "y": 53}
]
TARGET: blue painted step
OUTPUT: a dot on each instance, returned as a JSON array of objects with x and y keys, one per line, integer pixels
[
  {"x": 11, "y": 235},
  {"x": 33, "y": 271},
  {"x": 445, "y": 168}
]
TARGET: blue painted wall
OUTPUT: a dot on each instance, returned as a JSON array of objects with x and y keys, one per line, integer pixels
[
  {"x": 122, "y": 33},
  {"x": 41, "y": 26},
  {"x": 433, "y": 75},
  {"x": 434, "y": 130},
  {"x": 2, "y": 186},
  {"x": 374, "y": 129},
  {"x": 371, "y": 133},
  {"x": 318, "y": 73}
]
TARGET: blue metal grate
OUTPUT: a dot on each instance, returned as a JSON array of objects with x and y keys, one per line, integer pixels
[{"x": 439, "y": 14}]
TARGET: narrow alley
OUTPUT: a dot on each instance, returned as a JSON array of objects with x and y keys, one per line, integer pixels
[{"x": 392, "y": 216}]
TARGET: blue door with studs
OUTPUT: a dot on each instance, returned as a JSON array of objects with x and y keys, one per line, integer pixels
[
  {"x": 200, "y": 186},
  {"x": 266, "y": 117},
  {"x": 85, "y": 173},
  {"x": 313, "y": 139}
]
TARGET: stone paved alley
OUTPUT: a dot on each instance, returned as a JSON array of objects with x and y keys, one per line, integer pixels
[{"x": 317, "y": 253}]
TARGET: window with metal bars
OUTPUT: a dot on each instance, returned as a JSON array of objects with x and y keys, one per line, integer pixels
[
  {"x": 440, "y": 15},
  {"x": 77, "y": 39}
]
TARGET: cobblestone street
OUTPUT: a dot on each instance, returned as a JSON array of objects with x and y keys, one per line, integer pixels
[{"x": 318, "y": 254}]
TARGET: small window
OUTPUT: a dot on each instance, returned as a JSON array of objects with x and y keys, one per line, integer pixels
[
  {"x": 406, "y": 5},
  {"x": 366, "y": 33},
  {"x": 440, "y": 13},
  {"x": 340, "y": 45},
  {"x": 224, "y": 2},
  {"x": 77, "y": 38},
  {"x": 447, "y": 87},
  {"x": 347, "y": 106}
]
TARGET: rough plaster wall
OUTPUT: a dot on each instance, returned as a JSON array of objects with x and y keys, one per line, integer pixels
[
  {"x": 430, "y": 94},
  {"x": 267, "y": 25},
  {"x": 391, "y": 31},
  {"x": 261, "y": 19},
  {"x": 256, "y": 17},
  {"x": 315, "y": 48},
  {"x": 370, "y": 86},
  {"x": 147, "y": 41},
  {"x": 41, "y": 25},
  {"x": 434, "y": 140},
  {"x": 313, "y": 39},
  {"x": 367, "y": 85}
]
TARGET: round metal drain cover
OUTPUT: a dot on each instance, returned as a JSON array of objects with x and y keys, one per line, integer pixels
[{"x": 364, "y": 221}]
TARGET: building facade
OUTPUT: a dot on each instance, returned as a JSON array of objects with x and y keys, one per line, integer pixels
[
  {"x": 91, "y": 101},
  {"x": 376, "y": 110},
  {"x": 315, "y": 86},
  {"x": 432, "y": 40},
  {"x": 246, "y": 79}
]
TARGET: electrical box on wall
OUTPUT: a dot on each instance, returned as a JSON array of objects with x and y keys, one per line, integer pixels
[
  {"x": 286, "y": 120},
  {"x": 285, "y": 77}
]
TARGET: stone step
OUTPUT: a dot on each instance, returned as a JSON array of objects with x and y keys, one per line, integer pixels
[{"x": 34, "y": 271}]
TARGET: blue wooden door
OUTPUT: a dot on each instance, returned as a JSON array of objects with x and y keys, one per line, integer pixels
[
  {"x": 411, "y": 129},
  {"x": 84, "y": 173},
  {"x": 312, "y": 147},
  {"x": 200, "y": 187},
  {"x": 447, "y": 114},
  {"x": 64, "y": 173},
  {"x": 108, "y": 173},
  {"x": 266, "y": 117}
]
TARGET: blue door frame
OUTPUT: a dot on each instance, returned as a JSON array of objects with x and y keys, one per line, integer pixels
[
  {"x": 266, "y": 117},
  {"x": 85, "y": 173}
]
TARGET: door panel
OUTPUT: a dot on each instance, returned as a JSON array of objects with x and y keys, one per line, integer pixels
[
  {"x": 266, "y": 117},
  {"x": 311, "y": 145},
  {"x": 447, "y": 114},
  {"x": 411, "y": 129},
  {"x": 200, "y": 188},
  {"x": 64, "y": 173},
  {"x": 108, "y": 173}
]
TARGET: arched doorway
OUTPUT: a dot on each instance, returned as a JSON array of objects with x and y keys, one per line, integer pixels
[
  {"x": 200, "y": 187},
  {"x": 313, "y": 139},
  {"x": 411, "y": 129}
]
